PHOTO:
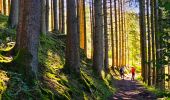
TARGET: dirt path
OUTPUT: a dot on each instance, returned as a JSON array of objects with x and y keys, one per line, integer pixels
[{"x": 131, "y": 90}]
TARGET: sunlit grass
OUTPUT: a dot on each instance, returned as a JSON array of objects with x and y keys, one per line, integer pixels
[
  {"x": 161, "y": 95},
  {"x": 3, "y": 82}
]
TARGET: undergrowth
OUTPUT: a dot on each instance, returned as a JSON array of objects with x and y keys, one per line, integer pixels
[
  {"x": 53, "y": 83},
  {"x": 161, "y": 95}
]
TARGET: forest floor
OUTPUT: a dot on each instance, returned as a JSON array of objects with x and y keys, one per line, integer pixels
[{"x": 131, "y": 90}]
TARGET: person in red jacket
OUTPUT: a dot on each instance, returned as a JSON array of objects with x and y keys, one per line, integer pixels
[{"x": 133, "y": 73}]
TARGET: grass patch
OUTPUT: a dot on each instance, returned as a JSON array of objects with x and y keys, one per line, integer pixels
[{"x": 161, "y": 95}]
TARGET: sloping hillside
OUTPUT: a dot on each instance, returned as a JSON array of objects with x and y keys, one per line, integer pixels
[{"x": 53, "y": 82}]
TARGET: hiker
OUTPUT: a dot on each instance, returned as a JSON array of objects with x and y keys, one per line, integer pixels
[
  {"x": 122, "y": 72},
  {"x": 133, "y": 73}
]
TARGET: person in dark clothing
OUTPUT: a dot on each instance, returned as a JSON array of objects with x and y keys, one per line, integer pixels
[{"x": 122, "y": 72}]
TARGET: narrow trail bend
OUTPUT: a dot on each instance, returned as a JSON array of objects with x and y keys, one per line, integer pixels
[{"x": 131, "y": 90}]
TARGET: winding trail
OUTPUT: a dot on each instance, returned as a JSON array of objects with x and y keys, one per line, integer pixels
[{"x": 131, "y": 90}]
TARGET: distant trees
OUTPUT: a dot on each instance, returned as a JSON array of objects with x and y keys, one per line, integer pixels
[
  {"x": 55, "y": 15},
  {"x": 43, "y": 17},
  {"x": 82, "y": 24}
]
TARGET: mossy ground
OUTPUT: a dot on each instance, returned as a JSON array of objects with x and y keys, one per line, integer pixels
[{"x": 53, "y": 82}]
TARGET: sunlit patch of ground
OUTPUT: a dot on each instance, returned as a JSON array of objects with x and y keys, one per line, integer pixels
[{"x": 131, "y": 90}]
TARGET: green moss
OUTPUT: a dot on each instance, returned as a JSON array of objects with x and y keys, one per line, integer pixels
[
  {"x": 3, "y": 80},
  {"x": 53, "y": 83}
]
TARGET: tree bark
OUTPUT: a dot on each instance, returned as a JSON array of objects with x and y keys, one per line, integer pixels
[
  {"x": 92, "y": 26},
  {"x": 149, "y": 45},
  {"x": 60, "y": 15},
  {"x": 106, "y": 61},
  {"x": 14, "y": 14},
  {"x": 161, "y": 44},
  {"x": 52, "y": 16},
  {"x": 4, "y": 7},
  {"x": 43, "y": 17},
  {"x": 28, "y": 36},
  {"x": 143, "y": 38},
  {"x": 116, "y": 33},
  {"x": 55, "y": 15},
  {"x": 63, "y": 20},
  {"x": 72, "y": 44},
  {"x": 47, "y": 15},
  {"x": 9, "y": 6},
  {"x": 153, "y": 42},
  {"x": 112, "y": 35},
  {"x": 98, "y": 59},
  {"x": 157, "y": 42},
  {"x": 123, "y": 34},
  {"x": 1, "y": 6},
  {"x": 81, "y": 12}
]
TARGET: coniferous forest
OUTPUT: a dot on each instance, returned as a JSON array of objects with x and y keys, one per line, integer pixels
[{"x": 84, "y": 49}]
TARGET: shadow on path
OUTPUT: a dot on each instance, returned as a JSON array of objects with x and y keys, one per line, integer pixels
[{"x": 131, "y": 90}]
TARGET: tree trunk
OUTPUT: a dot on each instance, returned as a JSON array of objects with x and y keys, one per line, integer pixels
[
  {"x": 55, "y": 15},
  {"x": 9, "y": 4},
  {"x": 153, "y": 42},
  {"x": 85, "y": 34},
  {"x": 1, "y": 6},
  {"x": 81, "y": 12},
  {"x": 157, "y": 42},
  {"x": 92, "y": 26},
  {"x": 60, "y": 15},
  {"x": 43, "y": 17},
  {"x": 149, "y": 45},
  {"x": 63, "y": 20},
  {"x": 52, "y": 16},
  {"x": 120, "y": 33},
  {"x": 123, "y": 34},
  {"x": 4, "y": 7},
  {"x": 125, "y": 40},
  {"x": 98, "y": 59},
  {"x": 162, "y": 67},
  {"x": 28, "y": 37},
  {"x": 112, "y": 35},
  {"x": 106, "y": 62},
  {"x": 143, "y": 38},
  {"x": 116, "y": 33},
  {"x": 14, "y": 14},
  {"x": 47, "y": 15},
  {"x": 72, "y": 44}
]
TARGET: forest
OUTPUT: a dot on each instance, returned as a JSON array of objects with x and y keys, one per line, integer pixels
[{"x": 84, "y": 49}]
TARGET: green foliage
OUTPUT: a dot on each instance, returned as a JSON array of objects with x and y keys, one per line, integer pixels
[
  {"x": 133, "y": 38},
  {"x": 164, "y": 95}
]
